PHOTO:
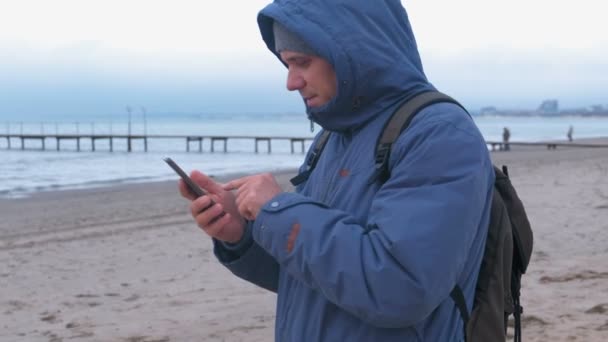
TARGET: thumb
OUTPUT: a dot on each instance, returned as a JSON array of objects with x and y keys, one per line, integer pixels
[{"x": 206, "y": 182}]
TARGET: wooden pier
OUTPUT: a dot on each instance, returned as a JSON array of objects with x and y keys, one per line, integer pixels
[
  {"x": 42, "y": 138},
  {"x": 550, "y": 145},
  {"x": 223, "y": 140}
]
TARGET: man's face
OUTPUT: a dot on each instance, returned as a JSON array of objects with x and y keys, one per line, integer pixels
[{"x": 312, "y": 76}]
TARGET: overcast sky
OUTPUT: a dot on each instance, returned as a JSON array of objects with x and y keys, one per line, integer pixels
[{"x": 95, "y": 57}]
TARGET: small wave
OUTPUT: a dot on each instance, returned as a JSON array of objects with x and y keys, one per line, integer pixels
[
  {"x": 120, "y": 181},
  {"x": 97, "y": 183},
  {"x": 20, "y": 191}
]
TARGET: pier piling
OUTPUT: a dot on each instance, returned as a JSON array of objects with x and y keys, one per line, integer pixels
[{"x": 42, "y": 137}]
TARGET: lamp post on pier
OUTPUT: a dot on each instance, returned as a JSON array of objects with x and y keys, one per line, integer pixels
[
  {"x": 129, "y": 129},
  {"x": 143, "y": 110}
]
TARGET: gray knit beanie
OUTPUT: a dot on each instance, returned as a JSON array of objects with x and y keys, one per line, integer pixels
[{"x": 285, "y": 40}]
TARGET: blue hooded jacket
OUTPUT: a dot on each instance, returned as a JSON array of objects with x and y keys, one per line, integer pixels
[{"x": 352, "y": 259}]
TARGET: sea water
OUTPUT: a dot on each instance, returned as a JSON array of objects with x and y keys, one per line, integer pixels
[{"x": 33, "y": 170}]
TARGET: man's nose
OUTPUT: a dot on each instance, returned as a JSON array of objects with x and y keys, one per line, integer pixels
[{"x": 295, "y": 81}]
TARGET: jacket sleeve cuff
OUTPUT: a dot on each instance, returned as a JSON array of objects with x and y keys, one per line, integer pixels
[
  {"x": 228, "y": 252},
  {"x": 275, "y": 221}
]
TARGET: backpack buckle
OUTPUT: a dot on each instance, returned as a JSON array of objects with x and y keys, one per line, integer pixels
[
  {"x": 311, "y": 159},
  {"x": 303, "y": 177},
  {"x": 381, "y": 163},
  {"x": 382, "y": 153}
]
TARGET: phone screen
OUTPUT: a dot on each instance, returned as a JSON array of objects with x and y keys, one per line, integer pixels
[{"x": 194, "y": 188}]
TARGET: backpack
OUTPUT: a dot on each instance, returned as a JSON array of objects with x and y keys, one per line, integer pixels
[{"x": 508, "y": 244}]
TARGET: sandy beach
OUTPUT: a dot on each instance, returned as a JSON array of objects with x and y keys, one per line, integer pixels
[{"x": 127, "y": 263}]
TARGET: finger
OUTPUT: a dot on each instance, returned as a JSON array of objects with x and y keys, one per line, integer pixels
[
  {"x": 186, "y": 192},
  {"x": 206, "y": 182},
  {"x": 215, "y": 227},
  {"x": 241, "y": 197},
  {"x": 183, "y": 190},
  {"x": 209, "y": 216},
  {"x": 199, "y": 205},
  {"x": 215, "y": 198},
  {"x": 244, "y": 210},
  {"x": 247, "y": 214},
  {"x": 236, "y": 183}
]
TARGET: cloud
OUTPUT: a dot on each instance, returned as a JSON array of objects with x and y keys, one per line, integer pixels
[
  {"x": 512, "y": 79},
  {"x": 455, "y": 26},
  {"x": 193, "y": 55}
]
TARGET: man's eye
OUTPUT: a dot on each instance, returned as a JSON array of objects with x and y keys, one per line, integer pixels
[{"x": 302, "y": 62}]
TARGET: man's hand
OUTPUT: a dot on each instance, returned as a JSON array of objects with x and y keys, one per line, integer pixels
[
  {"x": 253, "y": 192},
  {"x": 220, "y": 220}
]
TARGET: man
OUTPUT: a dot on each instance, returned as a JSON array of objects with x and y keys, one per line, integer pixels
[
  {"x": 506, "y": 135},
  {"x": 351, "y": 258}
]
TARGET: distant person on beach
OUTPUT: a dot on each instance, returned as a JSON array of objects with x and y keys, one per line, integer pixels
[
  {"x": 506, "y": 135},
  {"x": 352, "y": 258},
  {"x": 570, "y": 132}
]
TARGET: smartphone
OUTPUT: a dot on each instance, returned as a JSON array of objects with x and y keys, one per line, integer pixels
[{"x": 193, "y": 187}]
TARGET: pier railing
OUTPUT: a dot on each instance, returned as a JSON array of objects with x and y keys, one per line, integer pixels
[
  {"x": 550, "y": 145},
  {"x": 22, "y": 139}
]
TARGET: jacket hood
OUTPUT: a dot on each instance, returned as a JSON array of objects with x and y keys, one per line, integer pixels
[{"x": 371, "y": 46}]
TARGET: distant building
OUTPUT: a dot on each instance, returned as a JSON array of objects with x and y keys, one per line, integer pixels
[
  {"x": 488, "y": 110},
  {"x": 549, "y": 107}
]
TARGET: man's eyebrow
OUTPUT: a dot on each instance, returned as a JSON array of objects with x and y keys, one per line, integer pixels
[{"x": 295, "y": 58}]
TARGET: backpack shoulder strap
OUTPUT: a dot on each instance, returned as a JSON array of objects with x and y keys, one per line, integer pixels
[
  {"x": 398, "y": 122},
  {"x": 313, "y": 158},
  {"x": 407, "y": 110}
]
